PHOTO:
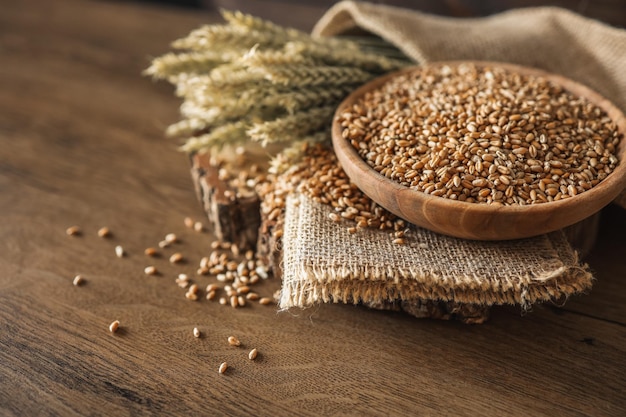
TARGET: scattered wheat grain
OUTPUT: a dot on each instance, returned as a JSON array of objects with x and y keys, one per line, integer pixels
[
  {"x": 253, "y": 354},
  {"x": 73, "y": 231},
  {"x": 113, "y": 327}
]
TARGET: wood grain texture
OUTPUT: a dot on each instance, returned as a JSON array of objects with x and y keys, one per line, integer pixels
[
  {"x": 82, "y": 143},
  {"x": 232, "y": 218},
  {"x": 480, "y": 221}
]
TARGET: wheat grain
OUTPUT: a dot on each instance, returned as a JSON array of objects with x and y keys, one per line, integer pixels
[
  {"x": 512, "y": 143},
  {"x": 223, "y": 367},
  {"x": 113, "y": 327},
  {"x": 73, "y": 231},
  {"x": 253, "y": 354}
]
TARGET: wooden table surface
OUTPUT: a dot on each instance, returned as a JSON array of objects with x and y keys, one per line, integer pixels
[{"x": 81, "y": 143}]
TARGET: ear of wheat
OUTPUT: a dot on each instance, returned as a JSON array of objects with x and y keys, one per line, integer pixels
[{"x": 253, "y": 80}]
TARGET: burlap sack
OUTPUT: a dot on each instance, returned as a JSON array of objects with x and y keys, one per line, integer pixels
[
  {"x": 324, "y": 263},
  {"x": 549, "y": 38}
]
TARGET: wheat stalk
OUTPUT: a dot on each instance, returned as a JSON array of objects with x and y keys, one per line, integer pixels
[
  {"x": 324, "y": 54},
  {"x": 306, "y": 76},
  {"x": 305, "y": 98},
  {"x": 229, "y": 133},
  {"x": 251, "y": 23},
  {"x": 252, "y": 80},
  {"x": 172, "y": 64},
  {"x": 292, "y": 127},
  {"x": 224, "y": 39}
]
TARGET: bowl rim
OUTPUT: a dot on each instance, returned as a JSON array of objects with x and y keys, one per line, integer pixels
[{"x": 600, "y": 195}]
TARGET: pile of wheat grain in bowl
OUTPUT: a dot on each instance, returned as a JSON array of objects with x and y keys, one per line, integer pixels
[{"x": 482, "y": 134}]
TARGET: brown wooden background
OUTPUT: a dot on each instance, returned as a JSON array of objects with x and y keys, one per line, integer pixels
[{"x": 81, "y": 142}]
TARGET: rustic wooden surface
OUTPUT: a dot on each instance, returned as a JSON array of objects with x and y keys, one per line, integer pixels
[{"x": 81, "y": 143}]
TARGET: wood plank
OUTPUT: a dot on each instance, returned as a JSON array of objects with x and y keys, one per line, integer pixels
[{"x": 368, "y": 363}]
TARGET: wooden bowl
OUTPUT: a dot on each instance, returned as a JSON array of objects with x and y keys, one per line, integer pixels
[{"x": 473, "y": 220}]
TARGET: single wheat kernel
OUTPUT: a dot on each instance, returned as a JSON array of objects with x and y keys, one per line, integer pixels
[
  {"x": 241, "y": 301},
  {"x": 151, "y": 252},
  {"x": 164, "y": 244},
  {"x": 188, "y": 222},
  {"x": 233, "y": 341},
  {"x": 73, "y": 231},
  {"x": 171, "y": 238},
  {"x": 252, "y": 296},
  {"x": 253, "y": 354},
  {"x": 234, "y": 302},
  {"x": 176, "y": 258},
  {"x": 104, "y": 232},
  {"x": 210, "y": 295},
  {"x": 244, "y": 289},
  {"x": 212, "y": 287},
  {"x": 114, "y": 326},
  {"x": 198, "y": 226},
  {"x": 150, "y": 270},
  {"x": 196, "y": 332},
  {"x": 78, "y": 280},
  {"x": 119, "y": 251},
  {"x": 223, "y": 301},
  {"x": 191, "y": 296},
  {"x": 262, "y": 272},
  {"x": 265, "y": 301},
  {"x": 223, "y": 367}
]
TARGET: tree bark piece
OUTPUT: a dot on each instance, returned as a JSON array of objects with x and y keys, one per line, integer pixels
[{"x": 233, "y": 218}]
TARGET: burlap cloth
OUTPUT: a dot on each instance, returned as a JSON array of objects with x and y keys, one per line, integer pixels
[{"x": 322, "y": 262}]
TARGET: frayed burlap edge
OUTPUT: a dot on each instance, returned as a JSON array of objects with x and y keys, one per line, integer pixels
[{"x": 306, "y": 284}]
